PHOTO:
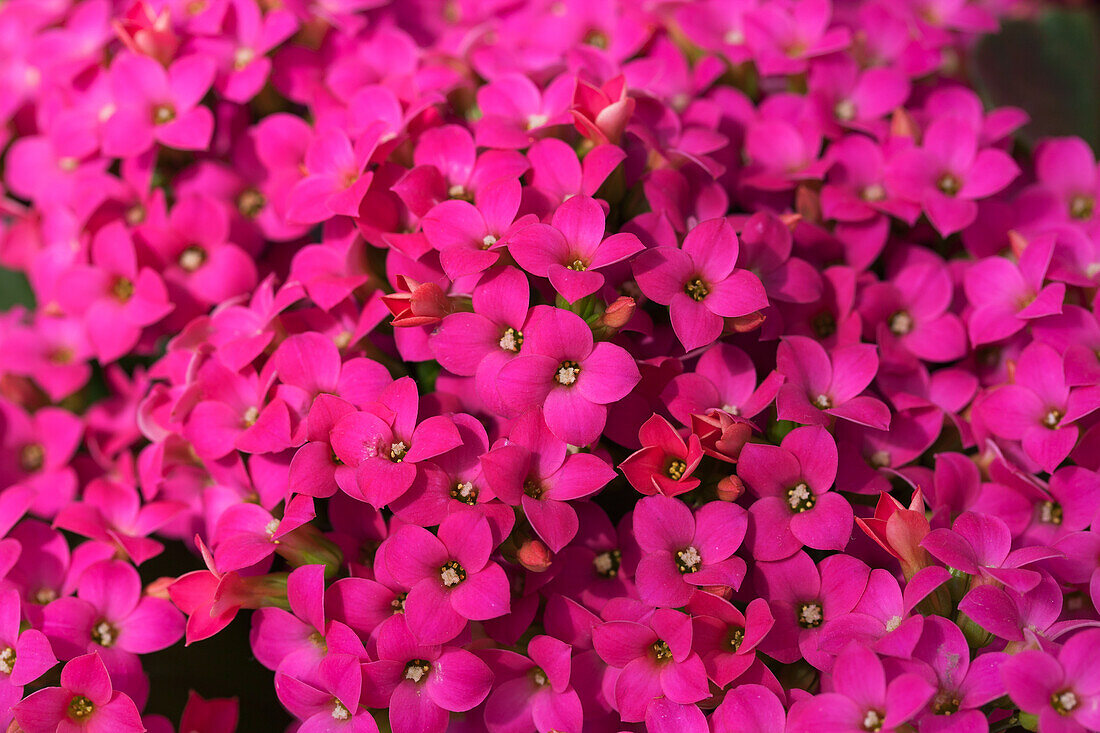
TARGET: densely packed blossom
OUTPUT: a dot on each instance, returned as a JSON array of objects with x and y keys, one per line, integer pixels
[{"x": 688, "y": 366}]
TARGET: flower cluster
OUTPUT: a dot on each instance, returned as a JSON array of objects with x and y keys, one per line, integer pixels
[{"x": 690, "y": 366}]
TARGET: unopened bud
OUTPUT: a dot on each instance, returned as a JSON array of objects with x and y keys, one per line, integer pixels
[
  {"x": 535, "y": 556},
  {"x": 619, "y": 313},
  {"x": 159, "y": 588},
  {"x": 902, "y": 124},
  {"x": 744, "y": 324},
  {"x": 730, "y": 488},
  {"x": 807, "y": 202}
]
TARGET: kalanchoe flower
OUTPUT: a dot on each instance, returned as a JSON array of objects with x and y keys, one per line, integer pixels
[
  {"x": 422, "y": 684},
  {"x": 1063, "y": 691},
  {"x": 84, "y": 701},
  {"x": 666, "y": 461},
  {"x": 24, "y": 656},
  {"x": 795, "y": 507},
  {"x": 700, "y": 282},
  {"x": 540, "y": 694},
  {"x": 822, "y": 384},
  {"x": 900, "y": 530},
  {"x": 684, "y": 552},
  {"x": 450, "y": 576},
  {"x": 570, "y": 376}
]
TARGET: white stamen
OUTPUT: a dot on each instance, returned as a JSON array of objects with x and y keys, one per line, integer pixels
[
  {"x": 414, "y": 673},
  {"x": 540, "y": 677},
  {"x": 874, "y": 192},
  {"x": 7, "y": 660},
  {"x": 398, "y": 449},
  {"x": 250, "y": 416},
  {"x": 450, "y": 577},
  {"x": 105, "y": 634},
  {"x": 536, "y": 120},
  {"x": 1068, "y": 700},
  {"x": 339, "y": 712},
  {"x": 489, "y": 240},
  {"x": 603, "y": 562},
  {"x": 811, "y": 613},
  {"x": 508, "y": 340},
  {"x": 734, "y": 37},
  {"x": 845, "y": 110},
  {"x": 272, "y": 527},
  {"x": 567, "y": 375},
  {"x": 872, "y": 720},
  {"x": 893, "y": 623},
  {"x": 798, "y": 494},
  {"x": 690, "y": 558},
  {"x": 465, "y": 490},
  {"x": 456, "y": 191},
  {"x": 731, "y": 409},
  {"x": 823, "y": 402},
  {"x": 243, "y": 57}
]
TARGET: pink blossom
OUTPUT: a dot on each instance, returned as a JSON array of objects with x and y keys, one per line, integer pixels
[{"x": 84, "y": 701}]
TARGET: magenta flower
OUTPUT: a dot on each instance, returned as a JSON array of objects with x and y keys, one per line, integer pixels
[
  {"x": 84, "y": 701},
  {"x": 1064, "y": 692},
  {"x": 557, "y": 175},
  {"x": 26, "y": 655},
  {"x": 665, "y": 462},
  {"x": 573, "y": 378},
  {"x": 981, "y": 544},
  {"x": 1068, "y": 182},
  {"x": 821, "y": 384},
  {"x": 422, "y": 684},
  {"x": 795, "y": 507},
  {"x": 950, "y": 172},
  {"x": 1006, "y": 296},
  {"x": 724, "y": 378},
  {"x": 516, "y": 111},
  {"x": 330, "y": 700},
  {"x": 535, "y": 470},
  {"x": 572, "y": 248},
  {"x": 469, "y": 237},
  {"x": 684, "y": 552},
  {"x": 724, "y": 637},
  {"x": 1039, "y": 409},
  {"x": 154, "y": 104},
  {"x": 750, "y": 709},
  {"x": 700, "y": 283},
  {"x": 539, "y": 694},
  {"x": 336, "y": 176},
  {"x": 652, "y": 658},
  {"x": 450, "y": 576},
  {"x": 785, "y": 34},
  {"x": 861, "y": 697}
]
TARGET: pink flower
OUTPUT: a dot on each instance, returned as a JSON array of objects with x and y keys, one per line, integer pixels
[
  {"x": 1064, "y": 692},
  {"x": 571, "y": 249},
  {"x": 422, "y": 684},
  {"x": 569, "y": 375},
  {"x": 330, "y": 700},
  {"x": 539, "y": 693},
  {"x": 700, "y": 283},
  {"x": 685, "y": 552},
  {"x": 785, "y": 34},
  {"x": 795, "y": 507},
  {"x": 84, "y": 701},
  {"x": 336, "y": 176},
  {"x": 469, "y": 236},
  {"x": 27, "y": 654},
  {"x": 450, "y": 576},
  {"x": 153, "y": 104},
  {"x": 820, "y": 384}
]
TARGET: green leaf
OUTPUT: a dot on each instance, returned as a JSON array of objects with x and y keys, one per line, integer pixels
[{"x": 14, "y": 290}]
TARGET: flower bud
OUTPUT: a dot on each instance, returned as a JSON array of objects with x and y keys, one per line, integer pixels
[
  {"x": 730, "y": 488},
  {"x": 535, "y": 556}
]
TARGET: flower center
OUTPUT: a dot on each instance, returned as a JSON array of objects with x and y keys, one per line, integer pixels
[
  {"x": 458, "y": 191},
  {"x": 465, "y": 492},
  {"x": 1050, "y": 512},
  {"x": 398, "y": 602},
  {"x": 123, "y": 289},
  {"x": 901, "y": 323},
  {"x": 32, "y": 457},
  {"x": 104, "y": 634},
  {"x": 688, "y": 560},
  {"x": 135, "y": 215},
  {"x": 192, "y": 258},
  {"x": 536, "y": 120},
  {"x": 398, "y": 451},
  {"x": 62, "y": 355},
  {"x": 45, "y": 596},
  {"x": 949, "y": 184},
  {"x": 568, "y": 371},
  {"x": 578, "y": 264},
  {"x": 80, "y": 707},
  {"x": 800, "y": 498},
  {"x": 1052, "y": 418},
  {"x": 823, "y": 324},
  {"x": 488, "y": 241},
  {"x": 880, "y": 459},
  {"x": 736, "y": 638},
  {"x": 1064, "y": 702},
  {"x": 823, "y": 402},
  {"x": 809, "y": 615},
  {"x": 874, "y": 192},
  {"x": 661, "y": 650},
  {"x": 512, "y": 340},
  {"x": 1082, "y": 207},
  {"x": 452, "y": 574},
  {"x": 417, "y": 670},
  {"x": 845, "y": 110},
  {"x": 697, "y": 289},
  {"x": 250, "y": 416},
  {"x": 734, "y": 37},
  {"x": 7, "y": 660},
  {"x": 533, "y": 488},
  {"x": 251, "y": 202},
  {"x": 241, "y": 59},
  {"x": 539, "y": 677},
  {"x": 607, "y": 563},
  {"x": 676, "y": 469},
  {"x": 339, "y": 712},
  {"x": 872, "y": 721},
  {"x": 945, "y": 704},
  {"x": 892, "y": 623},
  {"x": 163, "y": 113}
]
